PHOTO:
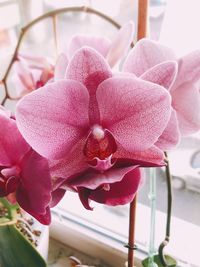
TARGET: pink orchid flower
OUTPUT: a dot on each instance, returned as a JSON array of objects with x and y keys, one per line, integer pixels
[
  {"x": 24, "y": 174},
  {"x": 96, "y": 129},
  {"x": 145, "y": 60},
  {"x": 111, "y": 51},
  {"x": 31, "y": 73}
]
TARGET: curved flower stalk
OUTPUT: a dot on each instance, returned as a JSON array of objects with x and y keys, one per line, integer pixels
[
  {"x": 96, "y": 129},
  {"x": 145, "y": 59},
  {"x": 24, "y": 174},
  {"x": 31, "y": 73},
  {"x": 112, "y": 51}
]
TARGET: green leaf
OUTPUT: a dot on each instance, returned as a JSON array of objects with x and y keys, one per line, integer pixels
[
  {"x": 16, "y": 250},
  {"x": 170, "y": 261}
]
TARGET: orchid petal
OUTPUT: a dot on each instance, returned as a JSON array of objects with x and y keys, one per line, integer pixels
[
  {"x": 12, "y": 145},
  {"x": 5, "y": 112},
  {"x": 72, "y": 164},
  {"x": 57, "y": 195},
  {"x": 100, "y": 44},
  {"x": 121, "y": 192},
  {"x": 163, "y": 74},
  {"x": 152, "y": 157},
  {"x": 120, "y": 44},
  {"x": 135, "y": 111},
  {"x": 189, "y": 69},
  {"x": 61, "y": 66},
  {"x": 24, "y": 75},
  {"x": 171, "y": 135},
  {"x": 186, "y": 102},
  {"x": 43, "y": 218},
  {"x": 84, "y": 194},
  {"x": 93, "y": 179},
  {"x": 145, "y": 55},
  {"x": 54, "y": 118},
  {"x": 34, "y": 191},
  {"x": 88, "y": 67}
]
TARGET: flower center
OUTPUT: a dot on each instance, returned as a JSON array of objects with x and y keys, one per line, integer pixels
[
  {"x": 99, "y": 147},
  {"x": 98, "y": 132}
]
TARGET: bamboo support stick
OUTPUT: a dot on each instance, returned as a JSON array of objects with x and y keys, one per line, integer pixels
[{"x": 142, "y": 31}]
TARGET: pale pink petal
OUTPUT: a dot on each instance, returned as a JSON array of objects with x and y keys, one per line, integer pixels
[
  {"x": 163, "y": 74},
  {"x": 34, "y": 192},
  {"x": 73, "y": 164},
  {"x": 188, "y": 69},
  {"x": 145, "y": 55},
  {"x": 171, "y": 135},
  {"x": 186, "y": 102},
  {"x": 93, "y": 179},
  {"x": 135, "y": 111},
  {"x": 24, "y": 75},
  {"x": 33, "y": 61},
  {"x": 100, "y": 44},
  {"x": 5, "y": 112},
  {"x": 54, "y": 118},
  {"x": 120, "y": 193},
  {"x": 90, "y": 68},
  {"x": 12, "y": 145},
  {"x": 120, "y": 44},
  {"x": 61, "y": 66},
  {"x": 152, "y": 157}
]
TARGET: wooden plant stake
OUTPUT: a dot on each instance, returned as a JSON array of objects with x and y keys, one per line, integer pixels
[{"x": 142, "y": 32}]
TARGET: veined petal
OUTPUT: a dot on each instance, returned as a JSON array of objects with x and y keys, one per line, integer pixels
[
  {"x": 61, "y": 67},
  {"x": 163, "y": 74},
  {"x": 73, "y": 164},
  {"x": 186, "y": 102},
  {"x": 100, "y": 44},
  {"x": 152, "y": 157},
  {"x": 188, "y": 69},
  {"x": 145, "y": 55},
  {"x": 12, "y": 145},
  {"x": 93, "y": 179},
  {"x": 120, "y": 193},
  {"x": 171, "y": 135},
  {"x": 120, "y": 44},
  {"x": 88, "y": 67},
  {"x": 54, "y": 118},
  {"x": 135, "y": 111},
  {"x": 34, "y": 191}
]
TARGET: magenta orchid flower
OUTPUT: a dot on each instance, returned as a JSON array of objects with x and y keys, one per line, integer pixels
[
  {"x": 24, "y": 174},
  {"x": 144, "y": 60},
  {"x": 31, "y": 73},
  {"x": 111, "y": 51},
  {"x": 96, "y": 129}
]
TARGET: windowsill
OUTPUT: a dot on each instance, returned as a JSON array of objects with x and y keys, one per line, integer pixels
[{"x": 84, "y": 233}]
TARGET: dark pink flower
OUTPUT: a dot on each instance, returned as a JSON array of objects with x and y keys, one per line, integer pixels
[
  {"x": 144, "y": 60},
  {"x": 24, "y": 174},
  {"x": 96, "y": 129}
]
